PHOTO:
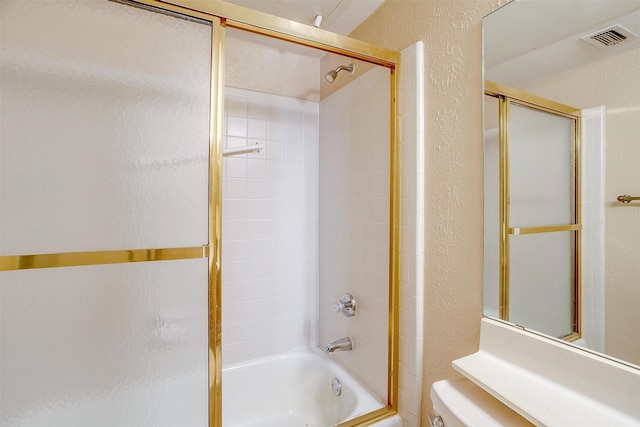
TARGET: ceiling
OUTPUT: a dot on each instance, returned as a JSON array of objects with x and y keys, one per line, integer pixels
[
  {"x": 544, "y": 37},
  {"x": 339, "y": 16}
]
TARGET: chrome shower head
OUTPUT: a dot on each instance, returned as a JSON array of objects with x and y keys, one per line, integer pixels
[{"x": 331, "y": 75}]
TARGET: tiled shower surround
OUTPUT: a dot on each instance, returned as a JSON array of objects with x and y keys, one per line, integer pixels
[
  {"x": 354, "y": 222},
  {"x": 270, "y": 217}
]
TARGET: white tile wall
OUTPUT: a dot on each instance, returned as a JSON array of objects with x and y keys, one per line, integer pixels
[
  {"x": 354, "y": 222},
  {"x": 593, "y": 281},
  {"x": 412, "y": 235},
  {"x": 270, "y": 217},
  {"x": 354, "y": 201}
]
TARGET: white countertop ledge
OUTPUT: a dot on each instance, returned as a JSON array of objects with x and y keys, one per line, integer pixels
[{"x": 551, "y": 383}]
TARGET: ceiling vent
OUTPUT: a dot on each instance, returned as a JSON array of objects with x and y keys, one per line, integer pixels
[{"x": 609, "y": 37}]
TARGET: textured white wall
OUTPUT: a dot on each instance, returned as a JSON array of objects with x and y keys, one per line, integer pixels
[{"x": 266, "y": 68}]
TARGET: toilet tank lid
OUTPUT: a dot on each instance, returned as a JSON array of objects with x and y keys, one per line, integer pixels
[{"x": 470, "y": 405}]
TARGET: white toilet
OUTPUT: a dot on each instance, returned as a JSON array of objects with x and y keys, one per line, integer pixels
[{"x": 460, "y": 403}]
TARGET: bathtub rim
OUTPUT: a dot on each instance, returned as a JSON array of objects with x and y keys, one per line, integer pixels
[{"x": 366, "y": 419}]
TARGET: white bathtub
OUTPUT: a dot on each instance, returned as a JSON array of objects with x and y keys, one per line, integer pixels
[{"x": 292, "y": 390}]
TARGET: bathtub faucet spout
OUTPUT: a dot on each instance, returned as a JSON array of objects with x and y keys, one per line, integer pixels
[{"x": 343, "y": 344}]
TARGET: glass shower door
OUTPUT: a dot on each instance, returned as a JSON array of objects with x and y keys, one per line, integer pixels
[
  {"x": 104, "y": 155},
  {"x": 532, "y": 210},
  {"x": 541, "y": 220}
]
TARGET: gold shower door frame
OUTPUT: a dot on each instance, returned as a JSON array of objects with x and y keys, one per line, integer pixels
[
  {"x": 505, "y": 96},
  {"x": 222, "y": 15}
]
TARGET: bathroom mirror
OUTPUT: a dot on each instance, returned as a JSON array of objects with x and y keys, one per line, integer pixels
[{"x": 572, "y": 266}]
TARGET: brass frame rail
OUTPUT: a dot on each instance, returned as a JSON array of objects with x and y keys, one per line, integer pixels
[{"x": 626, "y": 199}]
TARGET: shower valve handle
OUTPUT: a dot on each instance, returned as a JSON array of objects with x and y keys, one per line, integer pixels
[{"x": 346, "y": 305}]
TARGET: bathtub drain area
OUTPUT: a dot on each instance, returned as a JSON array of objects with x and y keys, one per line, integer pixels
[{"x": 336, "y": 386}]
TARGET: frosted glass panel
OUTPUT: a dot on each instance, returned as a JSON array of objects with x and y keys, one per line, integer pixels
[
  {"x": 491, "y": 269},
  {"x": 541, "y": 294},
  {"x": 115, "y": 345},
  {"x": 540, "y": 165},
  {"x": 104, "y": 127}
]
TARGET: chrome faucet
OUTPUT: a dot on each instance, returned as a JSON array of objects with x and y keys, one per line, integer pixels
[{"x": 343, "y": 344}]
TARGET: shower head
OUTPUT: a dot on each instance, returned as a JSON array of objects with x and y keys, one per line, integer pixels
[{"x": 331, "y": 75}]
